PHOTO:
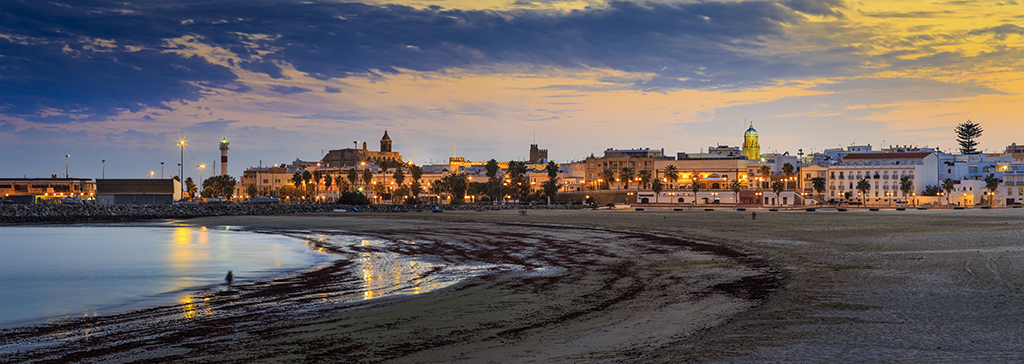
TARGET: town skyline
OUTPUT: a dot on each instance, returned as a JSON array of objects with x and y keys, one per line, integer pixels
[{"x": 124, "y": 82}]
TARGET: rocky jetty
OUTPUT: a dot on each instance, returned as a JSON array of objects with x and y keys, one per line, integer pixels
[{"x": 61, "y": 213}]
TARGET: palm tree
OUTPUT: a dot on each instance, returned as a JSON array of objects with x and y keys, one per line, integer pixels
[
  {"x": 626, "y": 174},
  {"x": 399, "y": 177},
  {"x": 327, "y": 184},
  {"x": 353, "y": 177},
  {"x": 317, "y": 176},
  {"x": 306, "y": 176},
  {"x": 645, "y": 177},
  {"x": 778, "y": 187},
  {"x": 992, "y": 184},
  {"x": 695, "y": 186},
  {"x": 551, "y": 186},
  {"x": 341, "y": 183},
  {"x": 607, "y": 176},
  {"x": 367, "y": 176},
  {"x": 906, "y": 185},
  {"x": 818, "y": 183},
  {"x": 297, "y": 179},
  {"x": 672, "y": 174},
  {"x": 947, "y": 185},
  {"x": 788, "y": 170},
  {"x": 735, "y": 186},
  {"x": 863, "y": 186},
  {"x": 656, "y": 186},
  {"x": 765, "y": 172}
]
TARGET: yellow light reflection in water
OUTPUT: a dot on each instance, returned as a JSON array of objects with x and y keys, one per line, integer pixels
[{"x": 186, "y": 249}]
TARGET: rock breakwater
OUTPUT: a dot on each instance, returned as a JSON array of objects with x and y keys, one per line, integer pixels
[{"x": 15, "y": 214}]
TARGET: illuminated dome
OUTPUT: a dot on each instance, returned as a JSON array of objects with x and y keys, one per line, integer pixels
[{"x": 750, "y": 132}]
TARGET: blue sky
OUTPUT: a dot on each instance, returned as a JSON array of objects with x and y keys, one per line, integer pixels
[{"x": 123, "y": 81}]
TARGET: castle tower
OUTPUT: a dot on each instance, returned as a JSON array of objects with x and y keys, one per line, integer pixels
[
  {"x": 385, "y": 142},
  {"x": 751, "y": 149},
  {"x": 224, "y": 156}
]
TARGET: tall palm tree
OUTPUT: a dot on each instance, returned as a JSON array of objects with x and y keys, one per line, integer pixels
[
  {"x": 626, "y": 174},
  {"x": 645, "y": 177},
  {"x": 327, "y": 184},
  {"x": 297, "y": 179},
  {"x": 317, "y": 176},
  {"x": 608, "y": 175},
  {"x": 695, "y": 186},
  {"x": 789, "y": 171},
  {"x": 906, "y": 185},
  {"x": 863, "y": 186},
  {"x": 766, "y": 173},
  {"x": 672, "y": 174},
  {"x": 367, "y": 176},
  {"x": 778, "y": 187},
  {"x": 735, "y": 186},
  {"x": 947, "y": 185},
  {"x": 353, "y": 178},
  {"x": 992, "y": 184},
  {"x": 818, "y": 183},
  {"x": 656, "y": 187},
  {"x": 399, "y": 177}
]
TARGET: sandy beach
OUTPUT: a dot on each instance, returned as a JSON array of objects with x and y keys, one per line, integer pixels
[{"x": 609, "y": 286}]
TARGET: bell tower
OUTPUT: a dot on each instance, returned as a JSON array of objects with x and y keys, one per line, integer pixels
[{"x": 385, "y": 142}]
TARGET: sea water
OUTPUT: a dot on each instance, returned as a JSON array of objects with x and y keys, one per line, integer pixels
[{"x": 54, "y": 272}]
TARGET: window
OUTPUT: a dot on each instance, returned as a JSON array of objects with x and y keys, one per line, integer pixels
[
  {"x": 833, "y": 175},
  {"x": 841, "y": 175}
]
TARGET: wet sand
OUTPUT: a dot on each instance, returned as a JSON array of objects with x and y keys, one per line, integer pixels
[{"x": 651, "y": 286}]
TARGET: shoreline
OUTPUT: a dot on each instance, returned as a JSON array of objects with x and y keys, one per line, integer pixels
[{"x": 489, "y": 287}]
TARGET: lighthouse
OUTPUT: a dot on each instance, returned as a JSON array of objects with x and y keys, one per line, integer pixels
[{"x": 224, "y": 157}]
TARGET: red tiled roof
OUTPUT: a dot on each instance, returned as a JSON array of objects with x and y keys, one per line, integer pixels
[{"x": 906, "y": 155}]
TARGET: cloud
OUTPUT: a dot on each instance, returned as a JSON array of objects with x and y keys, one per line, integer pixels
[
  {"x": 908, "y": 14},
  {"x": 332, "y": 90},
  {"x": 1000, "y": 30},
  {"x": 92, "y": 60},
  {"x": 288, "y": 90}
]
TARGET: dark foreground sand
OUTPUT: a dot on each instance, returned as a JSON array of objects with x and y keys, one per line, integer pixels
[{"x": 653, "y": 286}]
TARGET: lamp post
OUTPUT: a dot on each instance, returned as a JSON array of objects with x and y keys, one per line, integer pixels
[
  {"x": 201, "y": 167},
  {"x": 161, "y": 169},
  {"x": 181, "y": 167},
  {"x": 66, "y": 157},
  {"x": 104, "y": 167}
]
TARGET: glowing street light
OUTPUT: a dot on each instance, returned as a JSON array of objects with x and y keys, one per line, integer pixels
[
  {"x": 66, "y": 157},
  {"x": 181, "y": 167}
]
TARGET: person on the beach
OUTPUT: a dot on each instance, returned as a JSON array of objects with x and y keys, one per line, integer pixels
[{"x": 230, "y": 278}]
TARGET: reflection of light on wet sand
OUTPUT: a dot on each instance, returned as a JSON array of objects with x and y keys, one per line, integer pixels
[
  {"x": 188, "y": 308},
  {"x": 389, "y": 273},
  {"x": 191, "y": 309}
]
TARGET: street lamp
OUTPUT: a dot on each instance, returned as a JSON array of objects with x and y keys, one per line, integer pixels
[
  {"x": 181, "y": 168},
  {"x": 201, "y": 167},
  {"x": 104, "y": 166},
  {"x": 66, "y": 156},
  {"x": 161, "y": 170}
]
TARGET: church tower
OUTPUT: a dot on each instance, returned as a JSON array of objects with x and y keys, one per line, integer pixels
[
  {"x": 385, "y": 142},
  {"x": 751, "y": 149}
]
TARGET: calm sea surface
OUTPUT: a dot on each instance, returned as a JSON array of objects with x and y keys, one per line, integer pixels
[{"x": 54, "y": 272}]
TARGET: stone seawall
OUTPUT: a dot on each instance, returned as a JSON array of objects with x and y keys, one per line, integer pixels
[{"x": 15, "y": 214}]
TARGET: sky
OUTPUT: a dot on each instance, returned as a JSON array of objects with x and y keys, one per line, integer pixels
[{"x": 123, "y": 81}]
